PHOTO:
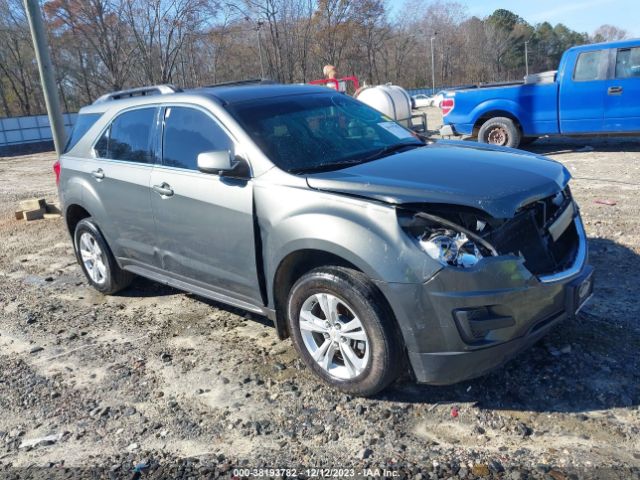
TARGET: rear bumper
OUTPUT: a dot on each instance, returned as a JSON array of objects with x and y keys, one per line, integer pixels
[
  {"x": 462, "y": 323},
  {"x": 447, "y": 131}
]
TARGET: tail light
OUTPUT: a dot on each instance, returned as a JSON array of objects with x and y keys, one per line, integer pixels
[
  {"x": 447, "y": 105},
  {"x": 56, "y": 170}
]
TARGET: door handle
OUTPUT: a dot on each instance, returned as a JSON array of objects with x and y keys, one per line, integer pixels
[
  {"x": 614, "y": 90},
  {"x": 99, "y": 174},
  {"x": 163, "y": 189}
]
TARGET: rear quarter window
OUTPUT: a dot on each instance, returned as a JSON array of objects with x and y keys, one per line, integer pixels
[{"x": 84, "y": 122}]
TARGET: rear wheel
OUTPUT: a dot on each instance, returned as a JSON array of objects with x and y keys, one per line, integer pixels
[
  {"x": 343, "y": 331},
  {"x": 500, "y": 131},
  {"x": 97, "y": 261}
]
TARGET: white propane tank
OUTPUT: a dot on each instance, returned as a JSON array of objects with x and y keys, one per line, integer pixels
[{"x": 392, "y": 100}]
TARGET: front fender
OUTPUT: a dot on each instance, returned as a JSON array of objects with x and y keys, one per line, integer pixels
[
  {"x": 364, "y": 233},
  {"x": 370, "y": 251}
]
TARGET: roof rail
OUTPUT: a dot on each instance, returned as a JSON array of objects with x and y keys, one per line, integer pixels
[
  {"x": 138, "y": 92},
  {"x": 250, "y": 81}
]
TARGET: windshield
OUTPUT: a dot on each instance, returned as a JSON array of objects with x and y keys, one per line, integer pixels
[{"x": 323, "y": 131}]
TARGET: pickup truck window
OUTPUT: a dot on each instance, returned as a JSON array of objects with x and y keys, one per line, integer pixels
[
  {"x": 187, "y": 133},
  {"x": 628, "y": 63},
  {"x": 591, "y": 66}
]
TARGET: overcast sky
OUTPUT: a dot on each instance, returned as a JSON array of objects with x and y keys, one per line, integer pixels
[{"x": 582, "y": 16}]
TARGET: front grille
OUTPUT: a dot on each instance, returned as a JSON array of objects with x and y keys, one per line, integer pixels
[{"x": 527, "y": 235}]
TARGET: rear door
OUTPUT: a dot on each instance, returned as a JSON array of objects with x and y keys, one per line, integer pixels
[
  {"x": 622, "y": 104},
  {"x": 120, "y": 175},
  {"x": 582, "y": 92},
  {"x": 204, "y": 221}
]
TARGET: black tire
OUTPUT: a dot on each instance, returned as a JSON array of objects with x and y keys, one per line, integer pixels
[
  {"x": 114, "y": 278},
  {"x": 386, "y": 358},
  {"x": 527, "y": 140},
  {"x": 500, "y": 131}
]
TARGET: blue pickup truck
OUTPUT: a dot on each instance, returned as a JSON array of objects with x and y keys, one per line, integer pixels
[{"x": 595, "y": 91}]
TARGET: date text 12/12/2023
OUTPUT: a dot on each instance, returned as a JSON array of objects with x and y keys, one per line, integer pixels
[{"x": 313, "y": 473}]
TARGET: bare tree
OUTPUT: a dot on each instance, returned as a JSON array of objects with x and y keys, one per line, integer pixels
[
  {"x": 333, "y": 19},
  {"x": 100, "y": 45},
  {"x": 160, "y": 28},
  {"x": 609, "y": 33},
  {"x": 16, "y": 58},
  {"x": 99, "y": 24}
]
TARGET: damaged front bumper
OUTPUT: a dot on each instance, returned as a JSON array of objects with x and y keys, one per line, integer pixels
[{"x": 462, "y": 323}]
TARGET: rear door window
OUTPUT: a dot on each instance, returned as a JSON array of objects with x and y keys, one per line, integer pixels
[
  {"x": 628, "y": 63},
  {"x": 189, "y": 132},
  {"x": 84, "y": 122},
  {"x": 128, "y": 138},
  {"x": 591, "y": 66}
]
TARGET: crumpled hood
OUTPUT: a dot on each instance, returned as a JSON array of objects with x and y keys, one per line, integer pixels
[{"x": 494, "y": 179}]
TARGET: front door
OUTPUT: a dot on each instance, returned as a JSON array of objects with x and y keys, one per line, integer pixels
[
  {"x": 622, "y": 101},
  {"x": 204, "y": 221},
  {"x": 582, "y": 92}
]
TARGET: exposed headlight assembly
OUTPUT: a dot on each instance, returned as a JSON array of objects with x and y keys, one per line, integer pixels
[
  {"x": 448, "y": 243},
  {"x": 451, "y": 248}
]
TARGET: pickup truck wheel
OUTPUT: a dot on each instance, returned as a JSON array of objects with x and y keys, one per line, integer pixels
[
  {"x": 97, "y": 261},
  {"x": 343, "y": 332},
  {"x": 500, "y": 131}
]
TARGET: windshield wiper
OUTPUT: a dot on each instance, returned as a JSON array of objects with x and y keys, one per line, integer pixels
[
  {"x": 388, "y": 150},
  {"x": 326, "y": 167}
]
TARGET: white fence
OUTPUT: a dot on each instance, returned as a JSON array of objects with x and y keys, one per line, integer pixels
[{"x": 16, "y": 131}]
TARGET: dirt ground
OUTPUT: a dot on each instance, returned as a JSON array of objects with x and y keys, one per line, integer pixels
[{"x": 155, "y": 383}]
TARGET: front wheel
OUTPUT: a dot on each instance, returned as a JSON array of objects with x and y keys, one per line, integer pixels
[
  {"x": 500, "y": 131},
  {"x": 343, "y": 331}
]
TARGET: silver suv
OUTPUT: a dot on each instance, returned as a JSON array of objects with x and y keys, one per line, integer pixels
[{"x": 377, "y": 252}]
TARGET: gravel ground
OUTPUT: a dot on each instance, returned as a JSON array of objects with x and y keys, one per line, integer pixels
[{"x": 155, "y": 383}]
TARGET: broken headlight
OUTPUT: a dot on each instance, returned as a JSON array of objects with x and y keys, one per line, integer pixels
[
  {"x": 448, "y": 243},
  {"x": 451, "y": 248}
]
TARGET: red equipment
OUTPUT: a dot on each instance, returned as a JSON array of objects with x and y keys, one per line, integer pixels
[{"x": 336, "y": 82}]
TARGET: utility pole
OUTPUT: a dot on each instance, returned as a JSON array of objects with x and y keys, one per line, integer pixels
[
  {"x": 433, "y": 65},
  {"x": 526, "y": 57},
  {"x": 258, "y": 28},
  {"x": 427, "y": 69},
  {"x": 39, "y": 37}
]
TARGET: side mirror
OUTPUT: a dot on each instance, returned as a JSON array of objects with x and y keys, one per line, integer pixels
[{"x": 215, "y": 162}]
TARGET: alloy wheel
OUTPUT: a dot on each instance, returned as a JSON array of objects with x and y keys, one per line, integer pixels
[
  {"x": 93, "y": 258},
  {"x": 334, "y": 336}
]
